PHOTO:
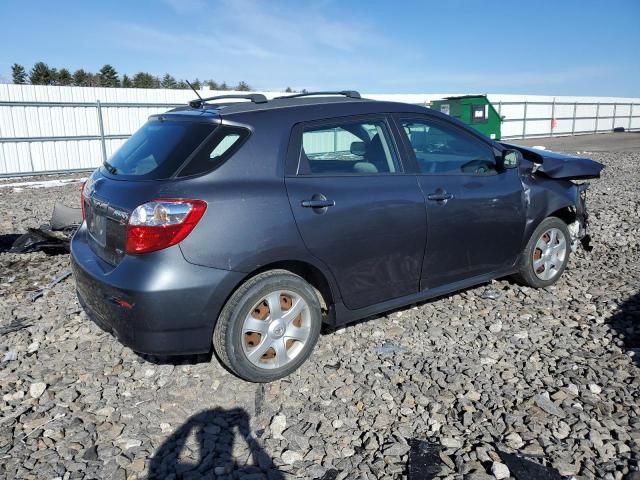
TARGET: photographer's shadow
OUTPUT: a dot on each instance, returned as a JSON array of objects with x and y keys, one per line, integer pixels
[{"x": 216, "y": 432}]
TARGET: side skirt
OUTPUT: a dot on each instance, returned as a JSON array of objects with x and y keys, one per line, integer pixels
[{"x": 342, "y": 315}]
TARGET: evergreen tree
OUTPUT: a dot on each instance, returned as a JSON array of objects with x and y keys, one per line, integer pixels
[
  {"x": 144, "y": 80},
  {"x": 53, "y": 72},
  {"x": 41, "y": 74},
  {"x": 168, "y": 81},
  {"x": 95, "y": 80},
  {"x": 108, "y": 76},
  {"x": 81, "y": 78},
  {"x": 288, "y": 90},
  {"x": 243, "y": 87},
  {"x": 64, "y": 77},
  {"x": 19, "y": 74}
]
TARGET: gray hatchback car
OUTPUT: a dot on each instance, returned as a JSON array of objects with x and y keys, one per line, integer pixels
[{"x": 245, "y": 225}]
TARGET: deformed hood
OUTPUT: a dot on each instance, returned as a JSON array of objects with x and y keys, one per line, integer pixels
[{"x": 560, "y": 165}]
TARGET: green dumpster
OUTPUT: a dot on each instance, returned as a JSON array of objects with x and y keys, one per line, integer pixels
[{"x": 474, "y": 110}]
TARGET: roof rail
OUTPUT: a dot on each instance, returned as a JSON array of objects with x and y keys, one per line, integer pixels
[
  {"x": 346, "y": 93},
  {"x": 254, "y": 97}
]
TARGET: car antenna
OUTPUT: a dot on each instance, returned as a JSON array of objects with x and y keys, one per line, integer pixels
[{"x": 196, "y": 92}]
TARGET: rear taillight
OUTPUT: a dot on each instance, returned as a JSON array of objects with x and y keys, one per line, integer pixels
[
  {"x": 162, "y": 223},
  {"x": 82, "y": 199}
]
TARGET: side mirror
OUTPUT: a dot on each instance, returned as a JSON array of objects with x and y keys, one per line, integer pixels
[
  {"x": 357, "y": 148},
  {"x": 510, "y": 158}
]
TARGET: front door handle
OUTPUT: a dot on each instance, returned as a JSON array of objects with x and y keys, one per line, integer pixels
[
  {"x": 317, "y": 203},
  {"x": 440, "y": 196}
]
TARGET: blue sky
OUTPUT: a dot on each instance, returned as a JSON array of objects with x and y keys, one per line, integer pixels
[{"x": 552, "y": 47}]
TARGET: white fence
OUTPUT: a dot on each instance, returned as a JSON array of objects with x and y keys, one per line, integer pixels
[{"x": 53, "y": 129}]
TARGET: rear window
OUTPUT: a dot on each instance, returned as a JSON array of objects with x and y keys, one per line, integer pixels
[{"x": 158, "y": 149}]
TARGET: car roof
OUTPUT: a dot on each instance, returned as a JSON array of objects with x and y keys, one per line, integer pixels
[
  {"x": 330, "y": 104},
  {"x": 307, "y": 108}
]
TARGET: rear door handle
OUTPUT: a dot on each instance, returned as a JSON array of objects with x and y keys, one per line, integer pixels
[
  {"x": 317, "y": 203},
  {"x": 440, "y": 196}
]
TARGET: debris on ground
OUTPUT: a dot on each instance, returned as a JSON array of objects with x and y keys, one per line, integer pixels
[
  {"x": 36, "y": 294},
  {"x": 490, "y": 294},
  {"x": 14, "y": 326},
  {"x": 53, "y": 237},
  {"x": 388, "y": 348},
  {"x": 10, "y": 356},
  {"x": 424, "y": 459},
  {"x": 523, "y": 469}
]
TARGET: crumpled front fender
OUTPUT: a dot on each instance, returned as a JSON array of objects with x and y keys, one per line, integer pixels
[
  {"x": 559, "y": 165},
  {"x": 545, "y": 196}
]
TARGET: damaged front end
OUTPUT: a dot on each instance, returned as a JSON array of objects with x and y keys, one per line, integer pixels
[
  {"x": 559, "y": 165},
  {"x": 551, "y": 187},
  {"x": 578, "y": 229}
]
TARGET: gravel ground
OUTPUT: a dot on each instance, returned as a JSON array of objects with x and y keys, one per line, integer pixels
[{"x": 552, "y": 375}]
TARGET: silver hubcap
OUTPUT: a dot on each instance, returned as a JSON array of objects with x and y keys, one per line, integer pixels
[
  {"x": 549, "y": 254},
  {"x": 276, "y": 329}
]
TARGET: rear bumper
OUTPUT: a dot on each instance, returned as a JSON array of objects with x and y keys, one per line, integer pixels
[{"x": 156, "y": 303}]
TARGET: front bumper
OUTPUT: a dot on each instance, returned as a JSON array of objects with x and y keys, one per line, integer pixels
[
  {"x": 156, "y": 303},
  {"x": 582, "y": 217}
]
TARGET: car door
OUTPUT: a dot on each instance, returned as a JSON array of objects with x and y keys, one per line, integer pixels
[
  {"x": 355, "y": 208},
  {"x": 475, "y": 208}
]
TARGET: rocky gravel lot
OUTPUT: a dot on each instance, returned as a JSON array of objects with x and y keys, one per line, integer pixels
[{"x": 552, "y": 375}]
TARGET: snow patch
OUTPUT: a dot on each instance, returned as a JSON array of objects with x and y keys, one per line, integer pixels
[{"x": 19, "y": 186}]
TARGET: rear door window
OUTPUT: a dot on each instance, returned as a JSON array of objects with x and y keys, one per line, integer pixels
[
  {"x": 347, "y": 148},
  {"x": 158, "y": 149}
]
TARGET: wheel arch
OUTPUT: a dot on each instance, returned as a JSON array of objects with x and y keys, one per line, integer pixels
[
  {"x": 567, "y": 214},
  {"x": 309, "y": 272},
  {"x": 548, "y": 198},
  {"x": 320, "y": 280}
]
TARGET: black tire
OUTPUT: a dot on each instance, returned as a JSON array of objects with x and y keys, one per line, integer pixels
[
  {"x": 526, "y": 271},
  {"x": 228, "y": 336}
]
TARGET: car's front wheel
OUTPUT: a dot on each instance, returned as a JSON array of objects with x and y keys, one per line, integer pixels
[
  {"x": 546, "y": 254},
  {"x": 268, "y": 327}
]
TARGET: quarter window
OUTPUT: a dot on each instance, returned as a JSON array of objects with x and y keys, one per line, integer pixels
[
  {"x": 443, "y": 150},
  {"x": 360, "y": 148},
  {"x": 224, "y": 143}
]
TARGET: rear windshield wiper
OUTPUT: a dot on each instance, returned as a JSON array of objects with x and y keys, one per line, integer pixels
[{"x": 110, "y": 168}]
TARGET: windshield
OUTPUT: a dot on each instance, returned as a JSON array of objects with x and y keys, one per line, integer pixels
[{"x": 158, "y": 149}]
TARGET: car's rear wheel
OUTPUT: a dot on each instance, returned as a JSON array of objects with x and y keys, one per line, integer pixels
[
  {"x": 546, "y": 255},
  {"x": 268, "y": 327}
]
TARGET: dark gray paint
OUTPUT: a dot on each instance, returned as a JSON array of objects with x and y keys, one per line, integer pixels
[{"x": 381, "y": 245}]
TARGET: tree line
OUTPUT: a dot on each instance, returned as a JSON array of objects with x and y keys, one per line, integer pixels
[{"x": 107, "y": 76}]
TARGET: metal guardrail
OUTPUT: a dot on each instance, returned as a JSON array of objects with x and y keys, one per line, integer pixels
[
  {"x": 552, "y": 132},
  {"x": 101, "y": 136},
  {"x": 98, "y": 105}
]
